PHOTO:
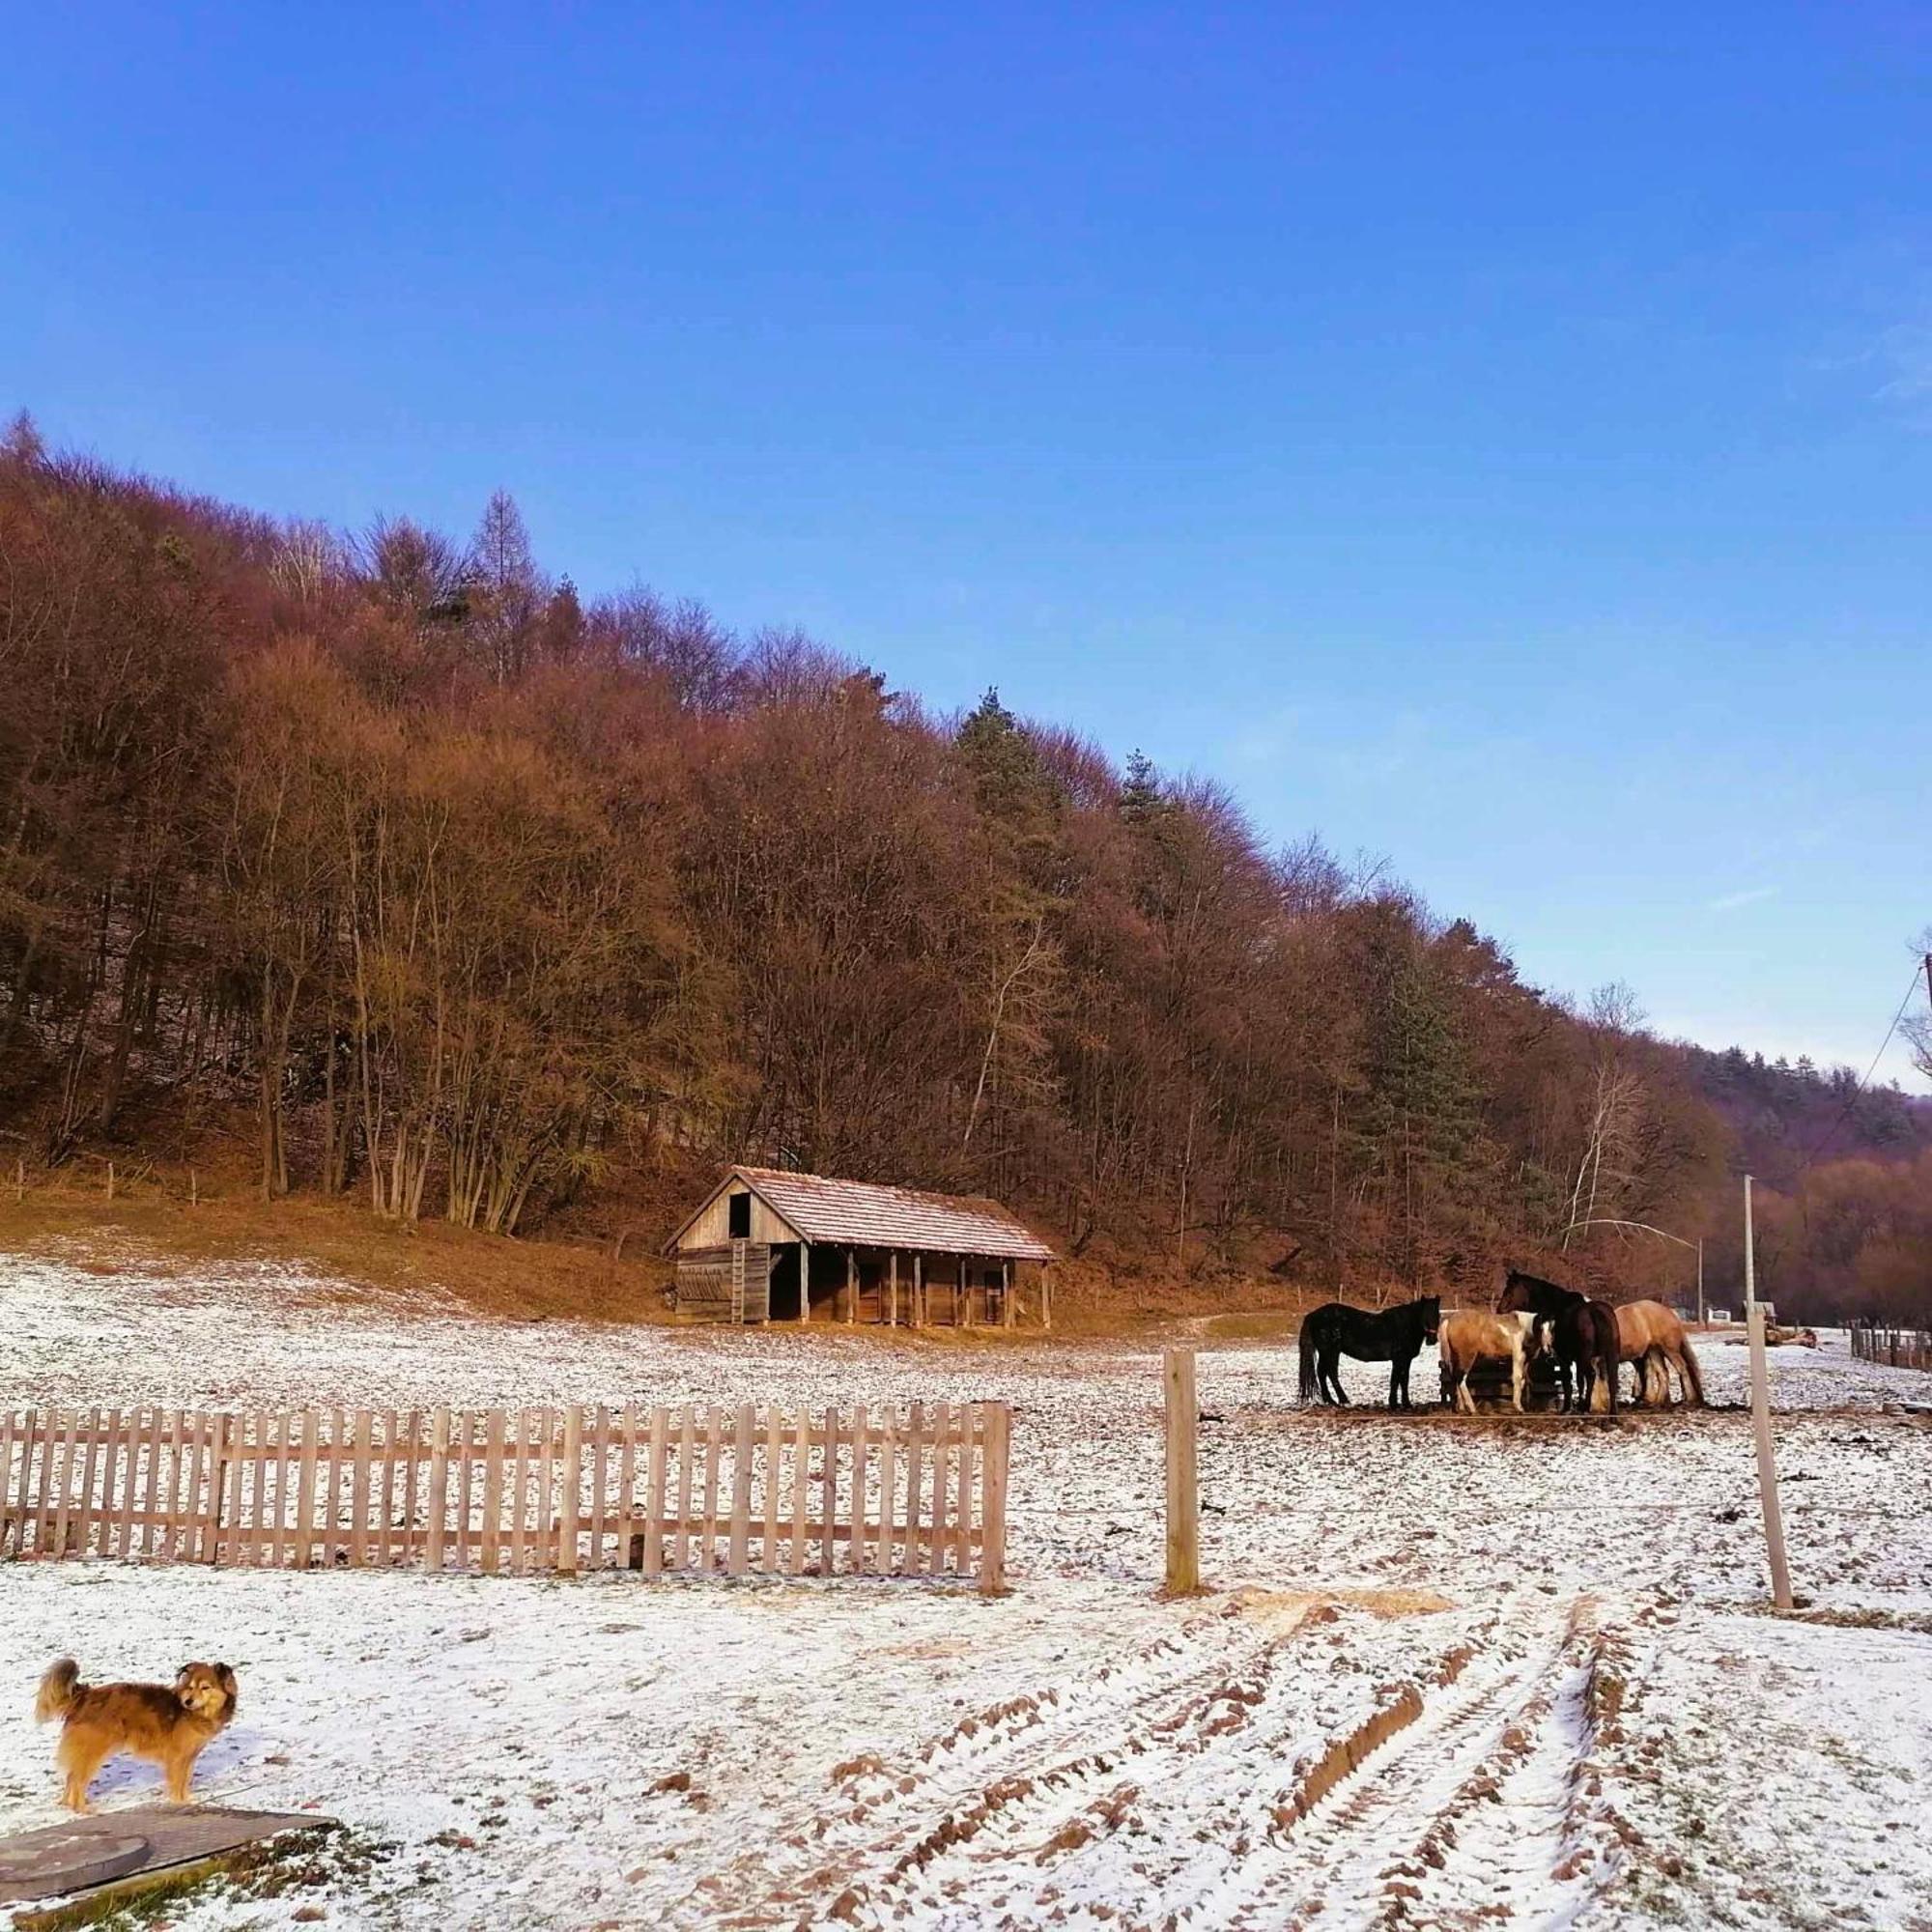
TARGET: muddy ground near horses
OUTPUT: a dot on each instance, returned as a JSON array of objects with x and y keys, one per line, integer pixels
[{"x": 1451, "y": 1672}]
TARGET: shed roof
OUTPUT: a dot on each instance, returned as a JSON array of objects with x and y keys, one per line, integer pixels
[{"x": 866, "y": 1214}]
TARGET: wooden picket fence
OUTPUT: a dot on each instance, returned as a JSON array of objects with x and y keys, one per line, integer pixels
[
  {"x": 745, "y": 1489},
  {"x": 1896, "y": 1347}
]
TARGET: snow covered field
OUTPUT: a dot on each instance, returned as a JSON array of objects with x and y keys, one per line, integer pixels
[{"x": 1451, "y": 1672}]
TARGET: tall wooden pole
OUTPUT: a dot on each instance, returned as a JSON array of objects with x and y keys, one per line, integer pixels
[
  {"x": 1183, "y": 1501},
  {"x": 805, "y": 1281},
  {"x": 1760, "y": 1381}
]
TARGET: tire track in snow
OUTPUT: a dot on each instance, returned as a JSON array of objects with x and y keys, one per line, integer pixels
[
  {"x": 1508, "y": 1848},
  {"x": 1401, "y": 1841},
  {"x": 885, "y": 1820}
]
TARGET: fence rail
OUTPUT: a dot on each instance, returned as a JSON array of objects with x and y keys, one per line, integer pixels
[
  {"x": 1899, "y": 1347},
  {"x": 752, "y": 1488}
]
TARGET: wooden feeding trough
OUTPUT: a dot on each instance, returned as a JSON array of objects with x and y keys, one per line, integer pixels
[{"x": 768, "y": 1246}]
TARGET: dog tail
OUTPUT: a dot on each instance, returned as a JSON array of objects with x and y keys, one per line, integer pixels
[
  {"x": 1311, "y": 1387},
  {"x": 59, "y": 1689}
]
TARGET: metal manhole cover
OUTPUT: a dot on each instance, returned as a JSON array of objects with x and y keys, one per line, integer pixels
[{"x": 70, "y": 1858}]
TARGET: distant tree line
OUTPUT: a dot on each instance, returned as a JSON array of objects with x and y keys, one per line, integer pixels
[{"x": 479, "y": 897}]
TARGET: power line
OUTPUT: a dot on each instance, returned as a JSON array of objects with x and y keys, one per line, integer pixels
[{"x": 1830, "y": 1133}]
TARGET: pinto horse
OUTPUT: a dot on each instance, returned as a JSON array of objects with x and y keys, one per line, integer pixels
[
  {"x": 1471, "y": 1335},
  {"x": 1394, "y": 1336},
  {"x": 1650, "y": 1338},
  {"x": 1582, "y": 1335}
]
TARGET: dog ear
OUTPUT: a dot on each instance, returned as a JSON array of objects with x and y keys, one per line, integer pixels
[{"x": 226, "y": 1678}]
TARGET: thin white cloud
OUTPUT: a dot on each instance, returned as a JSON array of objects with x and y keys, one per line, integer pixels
[{"x": 1731, "y": 902}]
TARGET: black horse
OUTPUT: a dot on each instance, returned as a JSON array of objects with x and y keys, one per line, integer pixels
[
  {"x": 1395, "y": 1336},
  {"x": 1582, "y": 1334}
]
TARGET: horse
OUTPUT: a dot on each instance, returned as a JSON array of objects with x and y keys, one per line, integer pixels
[
  {"x": 1653, "y": 1338},
  {"x": 1471, "y": 1335},
  {"x": 1583, "y": 1335},
  {"x": 1394, "y": 1336}
]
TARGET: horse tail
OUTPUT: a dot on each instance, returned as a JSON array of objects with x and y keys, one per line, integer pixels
[
  {"x": 1311, "y": 1387},
  {"x": 1692, "y": 1374}
]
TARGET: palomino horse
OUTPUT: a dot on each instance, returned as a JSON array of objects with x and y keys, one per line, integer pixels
[
  {"x": 1471, "y": 1335},
  {"x": 1582, "y": 1334},
  {"x": 1653, "y": 1338},
  {"x": 1394, "y": 1336}
]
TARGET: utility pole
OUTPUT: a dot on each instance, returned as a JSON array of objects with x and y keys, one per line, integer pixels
[{"x": 1760, "y": 1393}]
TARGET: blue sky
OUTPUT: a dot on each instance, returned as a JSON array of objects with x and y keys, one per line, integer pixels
[{"x": 1497, "y": 438}]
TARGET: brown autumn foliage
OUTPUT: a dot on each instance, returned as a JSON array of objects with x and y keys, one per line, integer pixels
[{"x": 480, "y": 898}]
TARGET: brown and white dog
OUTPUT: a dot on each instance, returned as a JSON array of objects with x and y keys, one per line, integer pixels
[{"x": 169, "y": 1724}]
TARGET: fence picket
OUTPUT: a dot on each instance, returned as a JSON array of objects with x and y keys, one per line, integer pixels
[
  {"x": 491, "y": 1557},
  {"x": 7, "y": 1530},
  {"x": 969, "y": 1456},
  {"x": 828, "y": 1491},
  {"x": 714, "y": 1450},
  {"x": 857, "y": 1555},
  {"x": 768, "y": 1555},
  {"x": 888, "y": 1482},
  {"x": 573, "y": 1490},
  {"x": 800, "y": 1474},
  {"x": 29, "y": 1434},
  {"x": 655, "y": 1474},
  {"x": 520, "y": 1489},
  {"x": 107, "y": 1518},
  {"x": 915, "y": 1474},
  {"x": 743, "y": 1440},
  {"x": 228, "y": 1525},
  {"x": 69, "y": 1448}
]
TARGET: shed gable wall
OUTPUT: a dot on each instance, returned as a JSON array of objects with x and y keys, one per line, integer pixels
[{"x": 711, "y": 1229}]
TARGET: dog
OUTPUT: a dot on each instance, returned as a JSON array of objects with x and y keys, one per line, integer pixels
[{"x": 169, "y": 1724}]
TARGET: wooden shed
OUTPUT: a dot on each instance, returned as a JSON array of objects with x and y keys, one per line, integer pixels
[{"x": 768, "y": 1246}]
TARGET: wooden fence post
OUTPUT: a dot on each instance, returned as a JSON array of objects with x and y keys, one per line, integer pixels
[
  {"x": 1183, "y": 1514},
  {"x": 1760, "y": 1394},
  {"x": 993, "y": 1501},
  {"x": 1767, "y": 1462}
]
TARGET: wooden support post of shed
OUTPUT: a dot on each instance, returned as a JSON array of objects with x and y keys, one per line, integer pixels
[
  {"x": 892, "y": 1290},
  {"x": 1046, "y": 1297},
  {"x": 805, "y": 1281},
  {"x": 965, "y": 1314},
  {"x": 851, "y": 1285},
  {"x": 918, "y": 1291},
  {"x": 1006, "y": 1294}
]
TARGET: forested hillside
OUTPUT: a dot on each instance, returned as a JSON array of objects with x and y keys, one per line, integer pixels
[{"x": 458, "y": 894}]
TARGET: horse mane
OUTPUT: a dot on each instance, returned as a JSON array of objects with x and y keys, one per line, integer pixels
[{"x": 1533, "y": 1281}]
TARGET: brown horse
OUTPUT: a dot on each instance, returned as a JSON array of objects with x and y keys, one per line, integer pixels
[
  {"x": 1653, "y": 1338},
  {"x": 1581, "y": 1334}
]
